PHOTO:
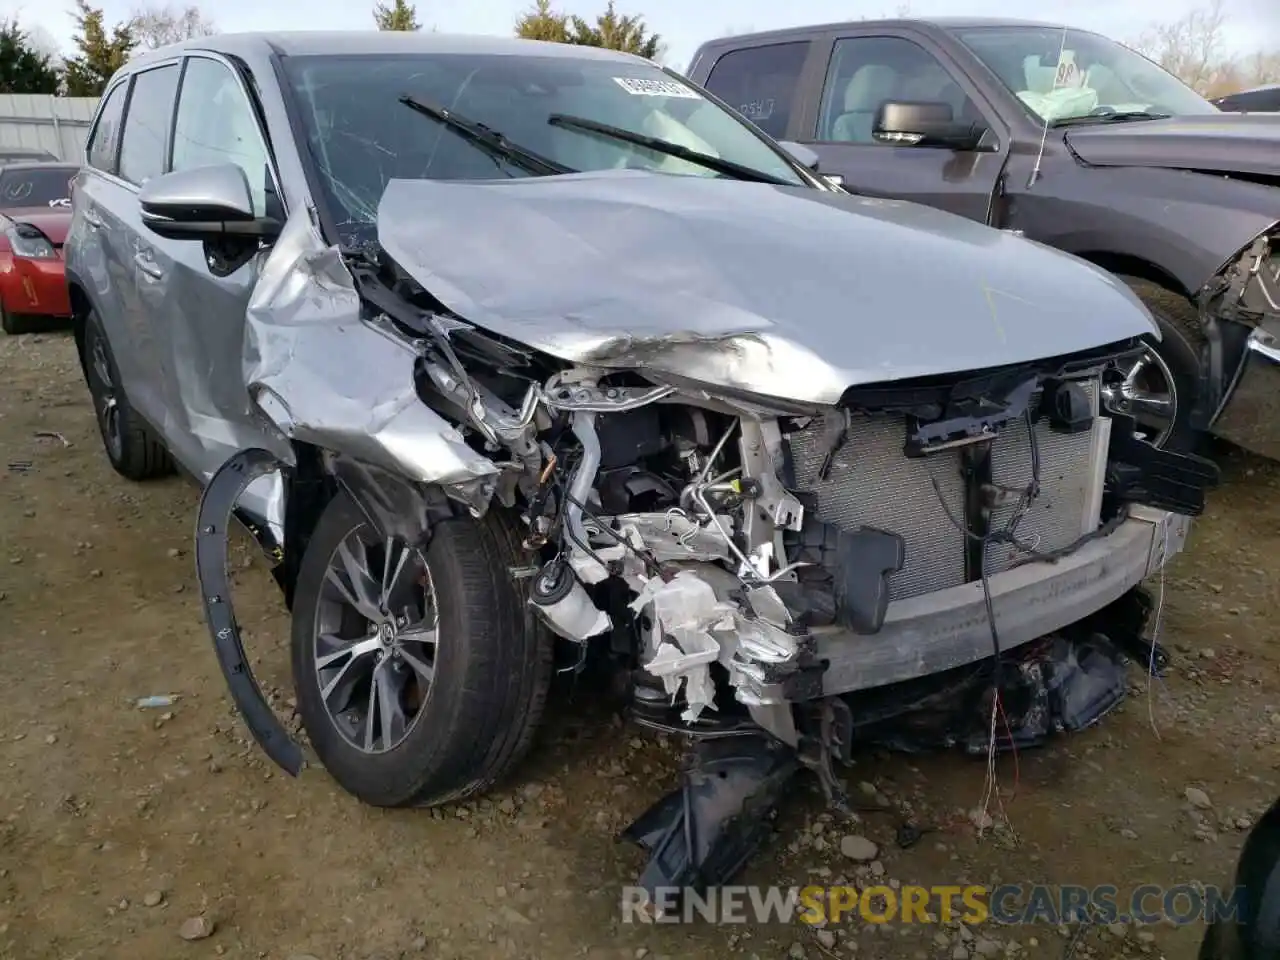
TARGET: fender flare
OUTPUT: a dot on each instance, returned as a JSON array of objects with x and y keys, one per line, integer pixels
[{"x": 213, "y": 523}]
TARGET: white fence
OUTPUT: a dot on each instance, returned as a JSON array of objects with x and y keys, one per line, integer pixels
[{"x": 43, "y": 122}]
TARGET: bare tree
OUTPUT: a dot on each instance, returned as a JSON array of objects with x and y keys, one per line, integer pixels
[
  {"x": 1191, "y": 48},
  {"x": 155, "y": 26}
]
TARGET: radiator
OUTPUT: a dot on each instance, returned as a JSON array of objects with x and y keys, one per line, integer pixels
[{"x": 872, "y": 483}]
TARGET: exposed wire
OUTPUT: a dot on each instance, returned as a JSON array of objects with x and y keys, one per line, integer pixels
[{"x": 1155, "y": 630}]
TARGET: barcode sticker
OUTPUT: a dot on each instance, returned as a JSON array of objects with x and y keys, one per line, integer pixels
[{"x": 648, "y": 87}]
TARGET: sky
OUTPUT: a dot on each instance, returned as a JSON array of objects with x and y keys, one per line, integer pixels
[{"x": 683, "y": 24}]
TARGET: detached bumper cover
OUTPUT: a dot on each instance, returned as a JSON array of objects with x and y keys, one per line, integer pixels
[
  {"x": 1250, "y": 415},
  {"x": 947, "y": 629}
]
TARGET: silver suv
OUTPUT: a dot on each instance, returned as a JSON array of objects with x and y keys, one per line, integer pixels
[{"x": 509, "y": 352}]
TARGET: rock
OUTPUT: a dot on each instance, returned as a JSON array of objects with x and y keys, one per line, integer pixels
[
  {"x": 858, "y": 848},
  {"x": 1198, "y": 798},
  {"x": 511, "y": 915},
  {"x": 797, "y": 952},
  {"x": 877, "y": 868},
  {"x": 1128, "y": 834},
  {"x": 987, "y": 948},
  {"x": 961, "y": 952},
  {"x": 153, "y": 898},
  {"x": 1207, "y": 653},
  {"x": 196, "y": 928},
  {"x": 980, "y": 818},
  {"x": 1117, "y": 930},
  {"x": 827, "y": 939},
  {"x": 51, "y": 739},
  {"x": 174, "y": 553}
]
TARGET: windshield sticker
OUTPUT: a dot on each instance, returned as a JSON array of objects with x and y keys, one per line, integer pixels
[
  {"x": 757, "y": 110},
  {"x": 1068, "y": 75},
  {"x": 648, "y": 87}
]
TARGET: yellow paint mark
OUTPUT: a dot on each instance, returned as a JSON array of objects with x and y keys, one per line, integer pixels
[{"x": 995, "y": 318}]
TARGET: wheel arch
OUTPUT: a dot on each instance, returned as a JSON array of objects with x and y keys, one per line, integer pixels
[{"x": 1125, "y": 264}]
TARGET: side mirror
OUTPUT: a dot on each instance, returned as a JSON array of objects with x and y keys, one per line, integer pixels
[
  {"x": 925, "y": 125},
  {"x": 800, "y": 154},
  {"x": 205, "y": 203}
]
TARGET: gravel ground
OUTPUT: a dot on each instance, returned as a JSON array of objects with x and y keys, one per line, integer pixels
[{"x": 162, "y": 833}]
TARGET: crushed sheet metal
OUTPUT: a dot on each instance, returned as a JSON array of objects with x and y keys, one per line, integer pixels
[
  {"x": 784, "y": 292},
  {"x": 324, "y": 376}
]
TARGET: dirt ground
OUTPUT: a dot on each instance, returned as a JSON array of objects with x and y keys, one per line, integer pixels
[{"x": 118, "y": 824}]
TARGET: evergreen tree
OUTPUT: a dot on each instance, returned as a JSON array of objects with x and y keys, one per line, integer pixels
[
  {"x": 540, "y": 22},
  {"x": 610, "y": 29},
  {"x": 615, "y": 31},
  {"x": 22, "y": 69},
  {"x": 398, "y": 15},
  {"x": 99, "y": 54}
]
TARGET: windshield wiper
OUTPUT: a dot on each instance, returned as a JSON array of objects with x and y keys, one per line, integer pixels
[
  {"x": 681, "y": 152},
  {"x": 487, "y": 139},
  {"x": 1124, "y": 117}
]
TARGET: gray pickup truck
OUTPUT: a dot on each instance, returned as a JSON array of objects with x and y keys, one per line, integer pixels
[{"x": 1075, "y": 141}]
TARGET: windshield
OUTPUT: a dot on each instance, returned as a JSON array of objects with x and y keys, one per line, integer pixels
[
  {"x": 361, "y": 134},
  {"x": 36, "y": 187},
  {"x": 1068, "y": 74}
]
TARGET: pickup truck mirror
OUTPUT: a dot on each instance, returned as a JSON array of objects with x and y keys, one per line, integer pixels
[
  {"x": 800, "y": 154},
  {"x": 204, "y": 203},
  {"x": 925, "y": 125}
]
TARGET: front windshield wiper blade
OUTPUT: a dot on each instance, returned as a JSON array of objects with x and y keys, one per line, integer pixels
[
  {"x": 1124, "y": 117},
  {"x": 681, "y": 152},
  {"x": 486, "y": 138}
]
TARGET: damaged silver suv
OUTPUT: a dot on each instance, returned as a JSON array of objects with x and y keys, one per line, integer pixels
[{"x": 511, "y": 352}]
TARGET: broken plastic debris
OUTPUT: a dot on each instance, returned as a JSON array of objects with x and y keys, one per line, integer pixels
[
  {"x": 159, "y": 700},
  {"x": 685, "y": 610}
]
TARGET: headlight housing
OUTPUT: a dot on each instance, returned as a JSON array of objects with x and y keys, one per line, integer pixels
[{"x": 27, "y": 241}]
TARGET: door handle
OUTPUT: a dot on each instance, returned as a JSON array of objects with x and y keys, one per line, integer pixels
[
  {"x": 148, "y": 266},
  {"x": 92, "y": 219}
]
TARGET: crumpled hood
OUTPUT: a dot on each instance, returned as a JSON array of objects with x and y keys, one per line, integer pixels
[
  {"x": 1224, "y": 143},
  {"x": 788, "y": 292}
]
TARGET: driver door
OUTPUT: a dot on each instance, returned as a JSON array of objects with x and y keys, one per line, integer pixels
[
  {"x": 208, "y": 294},
  {"x": 864, "y": 71}
]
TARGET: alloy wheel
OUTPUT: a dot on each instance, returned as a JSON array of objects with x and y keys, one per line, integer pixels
[
  {"x": 375, "y": 643},
  {"x": 106, "y": 405},
  {"x": 1147, "y": 392}
]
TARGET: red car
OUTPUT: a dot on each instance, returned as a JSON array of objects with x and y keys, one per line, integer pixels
[{"x": 35, "y": 213}]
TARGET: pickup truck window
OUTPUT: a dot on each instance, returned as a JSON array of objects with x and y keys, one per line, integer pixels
[
  {"x": 760, "y": 83},
  {"x": 866, "y": 72},
  {"x": 1073, "y": 74}
]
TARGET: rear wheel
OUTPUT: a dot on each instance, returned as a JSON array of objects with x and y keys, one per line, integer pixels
[
  {"x": 1161, "y": 388},
  {"x": 420, "y": 674},
  {"x": 132, "y": 449}
]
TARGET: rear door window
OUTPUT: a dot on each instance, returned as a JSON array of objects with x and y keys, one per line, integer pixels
[
  {"x": 102, "y": 148},
  {"x": 761, "y": 82},
  {"x": 144, "y": 147}
]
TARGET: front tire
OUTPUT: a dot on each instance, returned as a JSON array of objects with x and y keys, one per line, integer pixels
[
  {"x": 14, "y": 325},
  {"x": 421, "y": 676},
  {"x": 132, "y": 449},
  {"x": 1174, "y": 371}
]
